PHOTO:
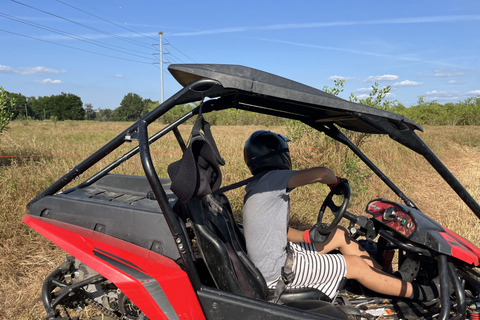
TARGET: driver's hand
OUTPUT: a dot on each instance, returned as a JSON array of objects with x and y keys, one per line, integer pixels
[
  {"x": 338, "y": 187},
  {"x": 312, "y": 235}
]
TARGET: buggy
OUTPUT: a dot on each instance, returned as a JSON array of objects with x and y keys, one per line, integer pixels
[{"x": 149, "y": 247}]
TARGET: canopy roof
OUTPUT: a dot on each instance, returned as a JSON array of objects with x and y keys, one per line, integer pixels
[{"x": 267, "y": 93}]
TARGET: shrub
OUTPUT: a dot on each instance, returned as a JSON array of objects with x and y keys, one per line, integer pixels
[{"x": 5, "y": 114}]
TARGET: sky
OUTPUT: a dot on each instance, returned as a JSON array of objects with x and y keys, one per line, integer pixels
[{"x": 102, "y": 50}]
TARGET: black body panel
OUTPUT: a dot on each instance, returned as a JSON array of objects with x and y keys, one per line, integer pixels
[
  {"x": 116, "y": 205},
  {"x": 224, "y": 305}
]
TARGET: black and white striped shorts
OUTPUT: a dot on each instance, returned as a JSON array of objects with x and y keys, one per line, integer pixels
[{"x": 319, "y": 271}]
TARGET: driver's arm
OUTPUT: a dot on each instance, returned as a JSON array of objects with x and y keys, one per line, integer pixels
[
  {"x": 295, "y": 235},
  {"x": 312, "y": 175}
]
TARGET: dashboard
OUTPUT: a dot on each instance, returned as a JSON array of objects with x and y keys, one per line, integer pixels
[{"x": 392, "y": 215}]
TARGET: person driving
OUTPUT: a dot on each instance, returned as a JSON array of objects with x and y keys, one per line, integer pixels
[{"x": 269, "y": 238}]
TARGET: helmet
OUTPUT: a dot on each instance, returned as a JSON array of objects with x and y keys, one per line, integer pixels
[{"x": 266, "y": 150}]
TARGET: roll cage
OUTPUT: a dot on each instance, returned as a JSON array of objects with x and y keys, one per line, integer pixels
[{"x": 221, "y": 87}]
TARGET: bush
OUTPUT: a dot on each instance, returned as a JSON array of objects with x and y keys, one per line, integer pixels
[{"x": 5, "y": 114}]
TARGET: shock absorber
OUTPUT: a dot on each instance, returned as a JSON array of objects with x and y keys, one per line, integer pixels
[{"x": 475, "y": 311}]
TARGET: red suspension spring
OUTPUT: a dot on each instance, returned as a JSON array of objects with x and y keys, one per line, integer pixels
[{"x": 475, "y": 315}]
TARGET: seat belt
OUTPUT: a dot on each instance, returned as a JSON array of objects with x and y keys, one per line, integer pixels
[
  {"x": 287, "y": 274},
  {"x": 286, "y": 277},
  {"x": 240, "y": 183}
]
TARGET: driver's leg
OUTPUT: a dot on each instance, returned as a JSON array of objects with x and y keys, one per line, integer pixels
[
  {"x": 382, "y": 282},
  {"x": 375, "y": 279},
  {"x": 340, "y": 239}
]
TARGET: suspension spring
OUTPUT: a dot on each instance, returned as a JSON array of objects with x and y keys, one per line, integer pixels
[{"x": 474, "y": 315}]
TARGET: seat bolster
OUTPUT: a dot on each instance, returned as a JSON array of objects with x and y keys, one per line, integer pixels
[
  {"x": 292, "y": 295},
  {"x": 319, "y": 307}
]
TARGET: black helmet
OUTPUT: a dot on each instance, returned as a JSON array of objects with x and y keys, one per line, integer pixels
[{"x": 266, "y": 150}]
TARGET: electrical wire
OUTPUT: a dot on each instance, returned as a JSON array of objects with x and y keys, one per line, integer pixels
[
  {"x": 115, "y": 24},
  {"x": 181, "y": 52},
  {"x": 66, "y": 46},
  {"x": 83, "y": 25},
  {"x": 36, "y": 25}
]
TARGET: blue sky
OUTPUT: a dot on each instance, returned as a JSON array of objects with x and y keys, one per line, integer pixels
[{"x": 102, "y": 50}]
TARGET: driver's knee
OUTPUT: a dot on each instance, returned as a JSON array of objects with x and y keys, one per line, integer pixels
[
  {"x": 356, "y": 267},
  {"x": 341, "y": 235}
]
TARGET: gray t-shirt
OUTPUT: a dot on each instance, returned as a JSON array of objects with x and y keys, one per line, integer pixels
[{"x": 266, "y": 212}]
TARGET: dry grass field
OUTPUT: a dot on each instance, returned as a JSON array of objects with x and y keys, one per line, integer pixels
[{"x": 26, "y": 257}]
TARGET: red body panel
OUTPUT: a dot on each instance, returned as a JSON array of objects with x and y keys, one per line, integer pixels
[
  {"x": 83, "y": 244},
  {"x": 461, "y": 248}
]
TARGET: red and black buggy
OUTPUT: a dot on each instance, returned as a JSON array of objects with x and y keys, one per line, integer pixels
[{"x": 149, "y": 247}]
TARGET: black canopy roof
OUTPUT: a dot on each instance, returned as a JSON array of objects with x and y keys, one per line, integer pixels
[{"x": 264, "y": 92}]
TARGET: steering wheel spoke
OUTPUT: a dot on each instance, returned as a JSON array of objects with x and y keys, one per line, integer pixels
[{"x": 338, "y": 211}]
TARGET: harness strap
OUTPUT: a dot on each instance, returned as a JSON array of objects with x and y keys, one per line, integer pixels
[
  {"x": 287, "y": 275},
  {"x": 240, "y": 183}
]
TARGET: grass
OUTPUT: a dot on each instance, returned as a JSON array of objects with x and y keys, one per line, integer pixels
[{"x": 26, "y": 257}]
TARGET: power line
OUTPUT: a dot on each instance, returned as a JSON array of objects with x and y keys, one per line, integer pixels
[
  {"x": 107, "y": 46},
  {"x": 83, "y": 25},
  {"x": 115, "y": 24},
  {"x": 182, "y": 52},
  {"x": 63, "y": 45}
]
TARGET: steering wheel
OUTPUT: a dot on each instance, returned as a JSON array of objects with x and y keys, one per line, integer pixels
[{"x": 320, "y": 231}]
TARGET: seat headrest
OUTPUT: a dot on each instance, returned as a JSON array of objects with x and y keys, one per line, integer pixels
[{"x": 197, "y": 173}]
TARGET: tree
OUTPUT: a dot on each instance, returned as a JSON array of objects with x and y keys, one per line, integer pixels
[
  {"x": 22, "y": 107},
  {"x": 41, "y": 107},
  {"x": 131, "y": 108},
  {"x": 150, "y": 104},
  {"x": 376, "y": 98},
  {"x": 69, "y": 107},
  {"x": 5, "y": 114},
  {"x": 65, "y": 106},
  {"x": 104, "y": 114},
  {"x": 90, "y": 112}
]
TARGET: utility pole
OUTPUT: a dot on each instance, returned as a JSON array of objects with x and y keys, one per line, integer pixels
[{"x": 161, "y": 67}]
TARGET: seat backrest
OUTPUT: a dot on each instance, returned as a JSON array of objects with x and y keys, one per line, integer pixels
[{"x": 227, "y": 262}]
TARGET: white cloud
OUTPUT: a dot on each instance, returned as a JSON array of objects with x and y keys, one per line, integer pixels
[
  {"x": 119, "y": 75},
  {"x": 363, "y": 96},
  {"x": 385, "y": 77},
  {"x": 405, "y": 83},
  {"x": 49, "y": 81},
  {"x": 444, "y": 95},
  {"x": 448, "y": 98},
  {"x": 436, "y": 92},
  {"x": 455, "y": 82},
  {"x": 311, "y": 25},
  {"x": 445, "y": 72},
  {"x": 450, "y": 95},
  {"x": 37, "y": 70},
  {"x": 363, "y": 90},
  {"x": 335, "y": 77}
]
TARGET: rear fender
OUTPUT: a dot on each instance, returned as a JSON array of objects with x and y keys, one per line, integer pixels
[{"x": 154, "y": 283}]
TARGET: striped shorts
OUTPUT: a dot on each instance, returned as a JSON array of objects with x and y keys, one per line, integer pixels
[{"x": 313, "y": 270}]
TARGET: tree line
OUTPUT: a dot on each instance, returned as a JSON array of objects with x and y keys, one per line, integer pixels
[{"x": 67, "y": 106}]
